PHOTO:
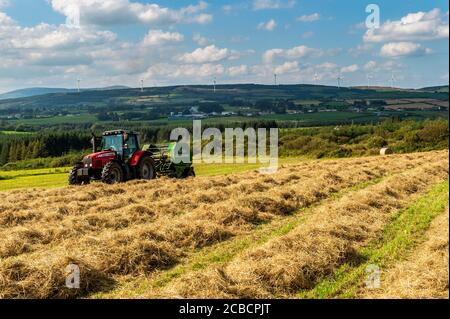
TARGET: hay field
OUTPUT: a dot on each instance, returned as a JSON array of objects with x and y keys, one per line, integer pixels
[
  {"x": 425, "y": 273},
  {"x": 241, "y": 235}
]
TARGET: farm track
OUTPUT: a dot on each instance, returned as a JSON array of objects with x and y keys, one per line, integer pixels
[{"x": 135, "y": 229}]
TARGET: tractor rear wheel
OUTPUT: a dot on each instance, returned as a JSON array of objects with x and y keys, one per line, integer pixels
[
  {"x": 112, "y": 173},
  {"x": 74, "y": 179},
  {"x": 146, "y": 169}
]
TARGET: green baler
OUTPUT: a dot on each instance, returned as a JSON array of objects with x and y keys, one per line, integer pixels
[{"x": 163, "y": 155}]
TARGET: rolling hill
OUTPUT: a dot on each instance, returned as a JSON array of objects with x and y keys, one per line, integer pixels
[
  {"x": 441, "y": 88},
  {"x": 30, "y": 92},
  {"x": 184, "y": 95}
]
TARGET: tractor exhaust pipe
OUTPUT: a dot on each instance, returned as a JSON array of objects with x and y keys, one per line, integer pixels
[{"x": 94, "y": 143}]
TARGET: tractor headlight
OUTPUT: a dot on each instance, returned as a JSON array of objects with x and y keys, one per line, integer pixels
[{"x": 86, "y": 165}]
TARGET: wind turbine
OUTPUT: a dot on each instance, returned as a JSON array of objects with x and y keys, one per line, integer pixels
[
  {"x": 78, "y": 85},
  {"x": 392, "y": 80},
  {"x": 275, "y": 79},
  {"x": 316, "y": 78},
  {"x": 369, "y": 77},
  {"x": 215, "y": 83},
  {"x": 142, "y": 86},
  {"x": 340, "y": 78}
]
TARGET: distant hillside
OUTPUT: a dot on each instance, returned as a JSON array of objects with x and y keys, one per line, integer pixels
[
  {"x": 441, "y": 88},
  {"x": 382, "y": 88},
  {"x": 193, "y": 94},
  {"x": 29, "y": 92},
  {"x": 32, "y": 92}
]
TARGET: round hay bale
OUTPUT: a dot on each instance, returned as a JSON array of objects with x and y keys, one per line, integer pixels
[{"x": 385, "y": 151}]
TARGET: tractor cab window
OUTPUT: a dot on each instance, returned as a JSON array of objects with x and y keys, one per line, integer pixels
[
  {"x": 113, "y": 143},
  {"x": 130, "y": 145}
]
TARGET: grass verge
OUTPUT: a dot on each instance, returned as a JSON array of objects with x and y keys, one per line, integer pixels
[{"x": 57, "y": 177}]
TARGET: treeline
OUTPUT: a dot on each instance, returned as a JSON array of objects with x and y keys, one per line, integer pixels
[
  {"x": 15, "y": 148},
  {"x": 57, "y": 148},
  {"x": 162, "y": 133},
  {"x": 360, "y": 140}
]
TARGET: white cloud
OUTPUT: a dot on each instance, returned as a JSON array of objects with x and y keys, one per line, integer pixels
[
  {"x": 45, "y": 36},
  {"x": 271, "y": 54},
  {"x": 350, "y": 69},
  {"x": 293, "y": 53},
  {"x": 238, "y": 70},
  {"x": 113, "y": 12},
  {"x": 158, "y": 37},
  {"x": 56, "y": 54},
  {"x": 4, "y": 3},
  {"x": 309, "y": 18},
  {"x": 208, "y": 54},
  {"x": 199, "y": 39},
  {"x": 361, "y": 49},
  {"x": 369, "y": 66},
  {"x": 412, "y": 27},
  {"x": 391, "y": 65},
  {"x": 59, "y": 59},
  {"x": 5, "y": 20},
  {"x": 398, "y": 49},
  {"x": 185, "y": 71},
  {"x": 272, "y": 4},
  {"x": 327, "y": 66},
  {"x": 287, "y": 67},
  {"x": 268, "y": 26}
]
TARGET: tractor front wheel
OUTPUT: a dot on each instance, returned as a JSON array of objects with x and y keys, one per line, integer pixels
[
  {"x": 74, "y": 179},
  {"x": 112, "y": 173},
  {"x": 146, "y": 169}
]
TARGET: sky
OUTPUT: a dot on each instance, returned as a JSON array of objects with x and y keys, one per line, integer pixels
[{"x": 53, "y": 43}]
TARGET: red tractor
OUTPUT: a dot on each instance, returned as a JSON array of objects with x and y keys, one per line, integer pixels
[{"x": 119, "y": 159}]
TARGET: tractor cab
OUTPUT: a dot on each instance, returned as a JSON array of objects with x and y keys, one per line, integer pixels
[{"x": 124, "y": 143}]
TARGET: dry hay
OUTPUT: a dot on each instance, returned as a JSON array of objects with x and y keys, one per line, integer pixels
[
  {"x": 425, "y": 274},
  {"x": 20, "y": 279},
  {"x": 315, "y": 249},
  {"x": 138, "y": 227}
]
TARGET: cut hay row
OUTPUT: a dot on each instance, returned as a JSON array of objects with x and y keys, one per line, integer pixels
[
  {"x": 195, "y": 228},
  {"x": 425, "y": 273},
  {"x": 234, "y": 202},
  {"x": 143, "y": 245},
  {"x": 315, "y": 249}
]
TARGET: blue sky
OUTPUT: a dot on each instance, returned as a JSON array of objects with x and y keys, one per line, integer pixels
[{"x": 110, "y": 42}]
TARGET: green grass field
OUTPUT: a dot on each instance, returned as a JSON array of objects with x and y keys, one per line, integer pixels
[
  {"x": 46, "y": 177},
  {"x": 76, "y": 119},
  {"x": 319, "y": 118},
  {"x": 57, "y": 177},
  {"x": 15, "y": 133}
]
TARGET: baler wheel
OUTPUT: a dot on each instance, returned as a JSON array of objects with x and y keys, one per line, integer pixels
[{"x": 146, "y": 169}]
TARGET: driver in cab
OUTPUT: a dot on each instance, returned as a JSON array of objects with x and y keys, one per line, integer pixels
[{"x": 125, "y": 146}]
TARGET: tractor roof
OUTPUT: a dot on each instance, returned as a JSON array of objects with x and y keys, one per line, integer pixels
[{"x": 117, "y": 132}]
